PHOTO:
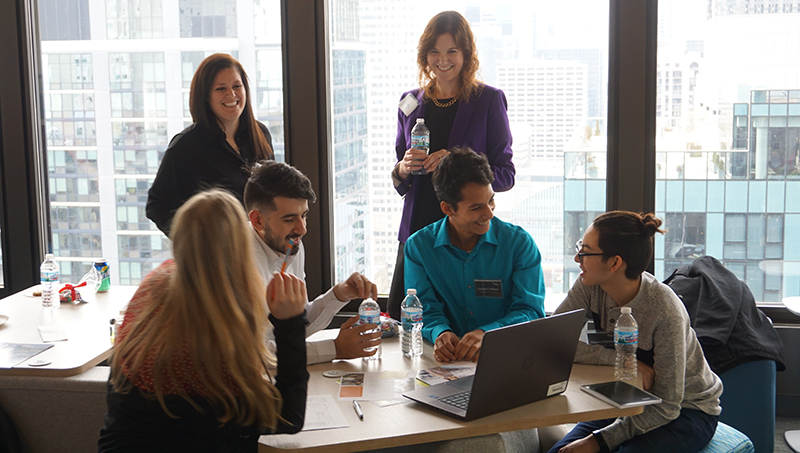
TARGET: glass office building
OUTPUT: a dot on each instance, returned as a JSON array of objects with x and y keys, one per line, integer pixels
[
  {"x": 116, "y": 90},
  {"x": 738, "y": 205}
]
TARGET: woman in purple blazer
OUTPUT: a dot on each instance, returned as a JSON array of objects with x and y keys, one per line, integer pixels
[{"x": 459, "y": 111}]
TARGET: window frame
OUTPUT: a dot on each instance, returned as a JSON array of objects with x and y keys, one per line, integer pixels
[{"x": 631, "y": 127}]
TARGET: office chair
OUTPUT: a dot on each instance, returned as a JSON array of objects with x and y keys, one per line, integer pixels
[
  {"x": 748, "y": 401},
  {"x": 728, "y": 440}
]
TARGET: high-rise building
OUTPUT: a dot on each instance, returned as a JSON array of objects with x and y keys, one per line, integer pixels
[
  {"x": 592, "y": 58},
  {"x": 116, "y": 88},
  {"x": 550, "y": 96},
  {"x": 392, "y": 69},
  {"x": 349, "y": 132}
]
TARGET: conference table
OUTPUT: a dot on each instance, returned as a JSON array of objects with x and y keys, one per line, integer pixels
[
  {"x": 411, "y": 423},
  {"x": 85, "y": 325}
]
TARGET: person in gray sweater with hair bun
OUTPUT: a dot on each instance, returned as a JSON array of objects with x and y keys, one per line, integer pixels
[{"x": 613, "y": 255}]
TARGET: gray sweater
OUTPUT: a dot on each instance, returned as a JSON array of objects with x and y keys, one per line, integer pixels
[{"x": 683, "y": 378}]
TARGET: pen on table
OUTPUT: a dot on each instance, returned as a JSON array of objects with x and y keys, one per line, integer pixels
[{"x": 357, "y": 407}]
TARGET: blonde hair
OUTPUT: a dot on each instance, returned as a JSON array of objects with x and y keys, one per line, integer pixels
[
  {"x": 211, "y": 310},
  {"x": 454, "y": 23}
]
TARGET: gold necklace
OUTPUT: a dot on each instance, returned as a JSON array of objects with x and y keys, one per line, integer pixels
[{"x": 439, "y": 104}]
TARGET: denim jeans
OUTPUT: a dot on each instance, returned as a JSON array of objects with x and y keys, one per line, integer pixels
[{"x": 688, "y": 433}]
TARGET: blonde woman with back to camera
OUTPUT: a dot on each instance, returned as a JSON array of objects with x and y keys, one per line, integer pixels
[{"x": 190, "y": 370}]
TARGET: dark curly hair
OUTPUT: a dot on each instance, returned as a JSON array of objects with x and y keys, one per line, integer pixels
[{"x": 459, "y": 167}]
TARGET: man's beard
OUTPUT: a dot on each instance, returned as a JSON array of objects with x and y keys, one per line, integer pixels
[{"x": 280, "y": 244}]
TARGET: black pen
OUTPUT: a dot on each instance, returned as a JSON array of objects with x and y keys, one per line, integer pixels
[{"x": 358, "y": 410}]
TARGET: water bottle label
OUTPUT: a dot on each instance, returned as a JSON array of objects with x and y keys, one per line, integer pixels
[
  {"x": 626, "y": 337},
  {"x": 48, "y": 277},
  {"x": 420, "y": 142},
  {"x": 370, "y": 318},
  {"x": 412, "y": 315}
]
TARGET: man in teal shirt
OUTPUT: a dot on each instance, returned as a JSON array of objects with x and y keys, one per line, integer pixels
[{"x": 472, "y": 271}]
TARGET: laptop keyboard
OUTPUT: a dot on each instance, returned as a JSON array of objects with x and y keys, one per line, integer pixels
[{"x": 459, "y": 400}]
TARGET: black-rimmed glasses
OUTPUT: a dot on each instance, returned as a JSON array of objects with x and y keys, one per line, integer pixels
[{"x": 580, "y": 254}]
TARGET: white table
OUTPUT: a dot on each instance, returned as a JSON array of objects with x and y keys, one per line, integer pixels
[
  {"x": 411, "y": 423},
  {"x": 86, "y": 325}
]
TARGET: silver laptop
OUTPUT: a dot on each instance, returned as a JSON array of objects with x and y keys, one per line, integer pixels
[{"x": 518, "y": 365}]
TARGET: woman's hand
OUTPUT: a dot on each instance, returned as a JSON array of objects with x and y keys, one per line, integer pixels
[
  {"x": 412, "y": 160},
  {"x": 432, "y": 162},
  {"x": 286, "y": 295}
]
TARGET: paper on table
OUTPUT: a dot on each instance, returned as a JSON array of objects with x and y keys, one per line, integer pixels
[
  {"x": 444, "y": 373},
  {"x": 365, "y": 386},
  {"x": 323, "y": 413},
  {"x": 52, "y": 333},
  {"x": 404, "y": 381}
]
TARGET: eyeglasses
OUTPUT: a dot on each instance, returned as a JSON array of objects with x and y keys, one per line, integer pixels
[{"x": 578, "y": 247}]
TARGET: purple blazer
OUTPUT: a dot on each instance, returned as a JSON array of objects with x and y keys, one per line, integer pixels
[{"x": 480, "y": 124}]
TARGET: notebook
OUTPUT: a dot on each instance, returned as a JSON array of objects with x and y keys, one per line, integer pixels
[{"x": 518, "y": 365}]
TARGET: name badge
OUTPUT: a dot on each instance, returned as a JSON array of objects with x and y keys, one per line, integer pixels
[
  {"x": 408, "y": 104},
  {"x": 488, "y": 288}
]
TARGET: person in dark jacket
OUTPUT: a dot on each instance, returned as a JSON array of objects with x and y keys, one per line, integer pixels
[
  {"x": 190, "y": 369},
  {"x": 218, "y": 149}
]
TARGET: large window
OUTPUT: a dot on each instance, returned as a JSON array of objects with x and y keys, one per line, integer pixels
[
  {"x": 116, "y": 96},
  {"x": 728, "y": 139},
  {"x": 551, "y": 62}
]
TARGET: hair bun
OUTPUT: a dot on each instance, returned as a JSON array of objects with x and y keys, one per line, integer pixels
[{"x": 651, "y": 223}]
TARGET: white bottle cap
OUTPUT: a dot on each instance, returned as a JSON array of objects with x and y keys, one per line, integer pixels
[
  {"x": 49, "y": 256},
  {"x": 626, "y": 310},
  {"x": 420, "y": 120},
  {"x": 411, "y": 291}
]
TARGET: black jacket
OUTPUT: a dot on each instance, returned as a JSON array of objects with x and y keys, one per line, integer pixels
[
  {"x": 136, "y": 422},
  {"x": 723, "y": 312},
  {"x": 198, "y": 159}
]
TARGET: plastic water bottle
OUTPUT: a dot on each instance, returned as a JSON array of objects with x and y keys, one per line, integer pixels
[
  {"x": 370, "y": 313},
  {"x": 421, "y": 139},
  {"x": 626, "y": 340},
  {"x": 411, "y": 317},
  {"x": 50, "y": 275}
]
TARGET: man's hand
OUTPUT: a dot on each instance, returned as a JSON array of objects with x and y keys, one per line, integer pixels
[
  {"x": 356, "y": 286},
  {"x": 444, "y": 349},
  {"x": 350, "y": 343},
  {"x": 469, "y": 348},
  {"x": 648, "y": 375},
  {"x": 286, "y": 295},
  {"x": 586, "y": 445}
]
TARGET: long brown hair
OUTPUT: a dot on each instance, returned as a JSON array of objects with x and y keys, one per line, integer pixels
[
  {"x": 454, "y": 23},
  {"x": 201, "y": 110},
  {"x": 210, "y": 312}
]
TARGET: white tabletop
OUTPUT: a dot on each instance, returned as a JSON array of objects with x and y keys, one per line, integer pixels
[
  {"x": 411, "y": 423},
  {"x": 86, "y": 326}
]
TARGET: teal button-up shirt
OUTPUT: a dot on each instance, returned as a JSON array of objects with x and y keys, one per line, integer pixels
[{"x": 499, "y": 283}]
